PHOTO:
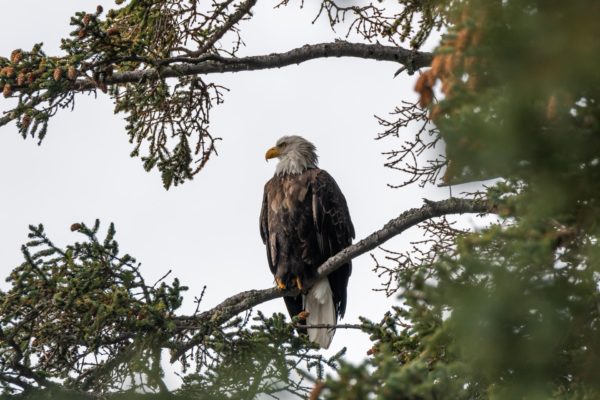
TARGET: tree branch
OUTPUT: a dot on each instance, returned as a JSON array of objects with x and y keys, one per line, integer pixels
[
  {"x": 245, "y": 300},
  {"x": 330, "y": 326},
  {"x": 203, "y": 65},
  {"x": 233, "y": 19}
]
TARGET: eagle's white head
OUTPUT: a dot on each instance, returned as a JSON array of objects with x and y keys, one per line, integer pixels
[{"x": 295, "y": 154}]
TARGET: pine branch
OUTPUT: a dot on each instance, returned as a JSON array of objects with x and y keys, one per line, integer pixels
[
  {"x": 185, "y": 333},
  {"x": 210, "y": 64},
  {"x": 169, "y": 123},
  {"x": 242, "y": 11},
  {"x": 330, "y": 326},
  {"x": 245, "y": 300}
]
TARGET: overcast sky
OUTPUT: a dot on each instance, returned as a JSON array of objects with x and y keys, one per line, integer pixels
[{"x": 206, "y": 230}]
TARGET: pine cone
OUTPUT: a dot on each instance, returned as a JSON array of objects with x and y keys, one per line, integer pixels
[
  {"x": 7, "y": 91},
  {"x": 16, "y": 56},
  {"x": 71, "y": 73},
  {"x": 57, "y": 74}
]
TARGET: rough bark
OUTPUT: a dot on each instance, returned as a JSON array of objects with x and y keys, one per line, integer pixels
[
  {"x": 246, "y": 300},
  {"x": 211, "y": 64}
]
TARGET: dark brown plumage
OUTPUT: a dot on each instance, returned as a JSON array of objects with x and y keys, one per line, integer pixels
[{"x": 305, "y": 220}]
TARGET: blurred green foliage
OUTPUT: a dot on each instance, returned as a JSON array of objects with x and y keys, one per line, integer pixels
[
  {"x": 514, "y": 312},
  {"x": 510, "y": 311}
]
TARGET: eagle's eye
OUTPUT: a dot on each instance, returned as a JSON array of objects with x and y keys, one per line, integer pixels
[{"x": 282, "y": 144}]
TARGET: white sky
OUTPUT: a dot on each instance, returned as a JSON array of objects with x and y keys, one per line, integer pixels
[{"x": 206, "y": 230}]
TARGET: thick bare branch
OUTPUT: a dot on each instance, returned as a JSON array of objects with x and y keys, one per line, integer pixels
[
  {"x": 330, "y": 326},
  {"x": 413, "y": 59},
  {"x": 245, "y": 300},
  {"x": 210, "y": 64},
  {"x": 168, "y": 122}
]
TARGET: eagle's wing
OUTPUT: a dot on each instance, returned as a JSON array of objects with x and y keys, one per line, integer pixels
[
  {"x": 264, "y": 230},
  {"x": 294, "y": 303},
  {"x": 334, "y": 231}
]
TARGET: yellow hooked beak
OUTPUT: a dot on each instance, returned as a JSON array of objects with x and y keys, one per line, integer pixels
[{"x": 272, "y": 153}]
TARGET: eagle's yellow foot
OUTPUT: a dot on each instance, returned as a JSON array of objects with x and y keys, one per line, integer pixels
[
  {"x": 280, "y": 283},
  {"x": 298, "y": 282},
  {"x": 303, "y": 314}
]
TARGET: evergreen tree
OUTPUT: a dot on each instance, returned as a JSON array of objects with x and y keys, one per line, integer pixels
[{"x": 510, "y": 311}]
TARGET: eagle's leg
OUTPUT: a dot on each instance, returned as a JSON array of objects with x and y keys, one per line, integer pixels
[
  {"x": 298, "y": 283},
  {"x": 280, "y": 283}
]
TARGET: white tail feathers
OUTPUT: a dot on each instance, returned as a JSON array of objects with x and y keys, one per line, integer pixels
[{"x": 319, "y": 304}]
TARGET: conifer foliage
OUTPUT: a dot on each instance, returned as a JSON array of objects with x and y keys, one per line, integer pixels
[{"x": 509, "y": 311}]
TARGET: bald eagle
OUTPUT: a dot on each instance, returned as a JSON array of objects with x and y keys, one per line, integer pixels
[{"x": 305, "y": 220}]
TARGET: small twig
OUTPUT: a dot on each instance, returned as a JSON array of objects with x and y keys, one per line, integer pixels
[
  {"x": 161, "y": 279},
  {"x": 400, "y": 70},
  {"x": 242, "y": 11},
  {"x": 330, "y": 326},
  {"x": 198, "y": 300}
]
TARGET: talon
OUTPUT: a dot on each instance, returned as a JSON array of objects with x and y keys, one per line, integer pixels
[
  {"x": 280, "y": 283},
  {"x": 303, "y": 314},
  {"x": 298, "y": 283}
]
